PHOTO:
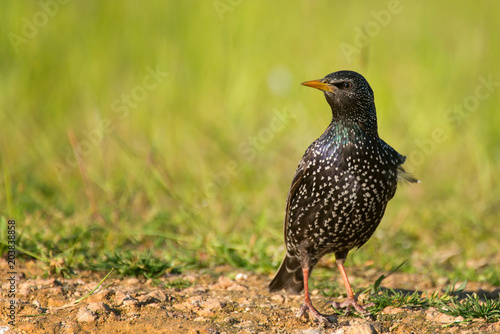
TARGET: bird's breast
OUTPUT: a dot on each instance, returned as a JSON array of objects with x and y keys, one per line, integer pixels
[{"x": 343, "y": 194}]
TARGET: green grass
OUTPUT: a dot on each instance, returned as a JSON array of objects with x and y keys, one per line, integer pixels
[
  {"x": 453, "y": 300},
  {"x": 469, "y": 308},
  {"x": 190, "y": 174},
  {"x": 381, "y": 298},
  {"x": 472, "y": 308}
]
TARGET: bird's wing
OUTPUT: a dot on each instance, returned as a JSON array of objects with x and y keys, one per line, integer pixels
[
  {"x": 404, "y": 176},
  {"x": 304, "y": 164}
]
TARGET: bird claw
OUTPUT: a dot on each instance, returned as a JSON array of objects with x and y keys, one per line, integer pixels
[
  {"x": 349, "y": 304},
  {"x": 321, "y": 318}
]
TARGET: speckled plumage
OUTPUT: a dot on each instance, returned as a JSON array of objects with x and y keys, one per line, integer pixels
[{"x": 342, "y": 184}]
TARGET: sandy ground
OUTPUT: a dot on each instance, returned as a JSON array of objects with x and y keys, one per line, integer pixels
[{"x": 221, "y": 300}]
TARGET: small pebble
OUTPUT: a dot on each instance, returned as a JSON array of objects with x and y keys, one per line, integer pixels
[
  {"x": 84, "y": 315},
  {"x": 241, "y": 277}
]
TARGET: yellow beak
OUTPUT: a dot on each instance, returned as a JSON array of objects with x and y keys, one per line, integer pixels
[{"x": 320, "y": 85}]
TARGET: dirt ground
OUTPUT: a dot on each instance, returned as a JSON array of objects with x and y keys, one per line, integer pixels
[{"x": 221, "y": 300}]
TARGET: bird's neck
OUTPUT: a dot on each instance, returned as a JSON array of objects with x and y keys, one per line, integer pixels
[
  {"x": 342, "y": 134},
  {"x": 358, "y": 118},
  {"x": 349, "y": 128}
]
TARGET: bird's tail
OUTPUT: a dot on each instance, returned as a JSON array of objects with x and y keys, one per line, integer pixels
[{"x": 289, "y": 276}]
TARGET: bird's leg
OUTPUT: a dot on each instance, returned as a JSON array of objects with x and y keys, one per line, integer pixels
[
  {"x": 351, "y": 299},
  {"x": 308, "y": 306}
]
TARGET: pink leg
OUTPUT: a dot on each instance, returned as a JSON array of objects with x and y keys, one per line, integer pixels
[
  {"x": 351, "y": 300},
  {"x": 308, "y": 306}
]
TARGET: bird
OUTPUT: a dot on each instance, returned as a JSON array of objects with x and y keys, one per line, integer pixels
[{"x": 340, "y": 189}]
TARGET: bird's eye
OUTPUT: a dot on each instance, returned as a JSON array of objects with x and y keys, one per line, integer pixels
[{"x": 347, "y": 85}]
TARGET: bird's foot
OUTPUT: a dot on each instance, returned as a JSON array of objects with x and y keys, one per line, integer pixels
[
  {"x": 321, "y": 318},
  {"x": 350, "y": 303}
]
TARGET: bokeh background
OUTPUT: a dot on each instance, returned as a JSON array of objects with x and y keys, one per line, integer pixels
[{"x": 162, "y": 135}]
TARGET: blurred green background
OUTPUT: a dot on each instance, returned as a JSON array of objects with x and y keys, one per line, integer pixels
[{"x": 161, "y": 135}]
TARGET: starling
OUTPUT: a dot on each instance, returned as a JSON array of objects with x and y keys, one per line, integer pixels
[{"x": 340, "y": 189}]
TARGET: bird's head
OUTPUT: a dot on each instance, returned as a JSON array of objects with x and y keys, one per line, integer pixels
[{"x": 350, "y": 97}]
